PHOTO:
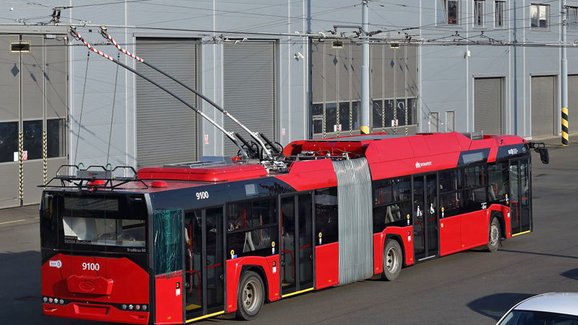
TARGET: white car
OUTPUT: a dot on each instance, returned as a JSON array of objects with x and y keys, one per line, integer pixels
[{"x": 554, "y": 308}]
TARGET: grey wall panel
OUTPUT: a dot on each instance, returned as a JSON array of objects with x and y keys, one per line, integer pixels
[
  {"x": 317, "y": 72},
  {"x": 9, "y": 188},
  {"x": 330, "y": 65},
  {"x": 543, "y": 106},
  {"x": 573, "y": 104},
  {"x": 488, "y": 105},
  {"x": 250, "y": 89},
  {"x": 32, "y": 178},
  {"x": 33, "y": 78},
  {"x": 356, "y": 72},
  {"x": 376, "y": 71},
  {"x": 343, "y": 67},
  {"x": 9, "y": 80},
  {"x": 56, "y": 74},
  {"x": 166, "y": 128}
]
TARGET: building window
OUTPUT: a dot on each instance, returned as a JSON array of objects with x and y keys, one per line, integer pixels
[
  {"x": 8, "y": 141},
  {"x": 500, "y": 9},
  {"x": 387, "y": 114},
  {"x": 450, "y": 121},
  {"x": 479, "y": 13},
  {"x": 572, "y": 17},
  {"x": 56, "y": 138},
  {"x": 433, "y": 122},
  {"x": 540, "y": 14},
  {"x": 448, "y": 12}
]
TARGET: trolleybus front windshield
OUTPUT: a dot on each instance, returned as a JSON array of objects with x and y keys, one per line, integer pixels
[{"x": 96, "y": 221}]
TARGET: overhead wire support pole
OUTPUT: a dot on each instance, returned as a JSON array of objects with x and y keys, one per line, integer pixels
[
  {"x": 564, "y": 77},
  {"x": 230, "y": 135},
  {"x": 364, "y": 128},
  {"x": 254, "y": 135}
]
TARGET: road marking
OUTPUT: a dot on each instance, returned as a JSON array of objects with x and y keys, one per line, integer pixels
[{"x": 13, "y": 221}]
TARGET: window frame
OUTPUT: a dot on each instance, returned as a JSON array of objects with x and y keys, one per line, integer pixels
[
  {"x": 501, "y": 10},
  {"x": 539, "y": 7},
  {"x": 479, "y": 17},
  {"x": 572, "y": 24}
]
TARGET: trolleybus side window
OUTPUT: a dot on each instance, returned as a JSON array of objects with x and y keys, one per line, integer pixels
[
  {"x": 326, "y": 217},
  {"x": 475, "y": 190},
  {"x": 168, "y": 240},
  {"x": 252, "y": 227},
  {"x": 450, "y": 195},
  {"x": 499, "y": 181},
  {"x": 391, "y": 203}
]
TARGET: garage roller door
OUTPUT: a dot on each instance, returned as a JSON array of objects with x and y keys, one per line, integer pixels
[
  {"x": 249, "y": 88},
  {"x": 544, "y": 106},
  {"x": 166, "y": 129},
  {"x": 488, "y": 105}
]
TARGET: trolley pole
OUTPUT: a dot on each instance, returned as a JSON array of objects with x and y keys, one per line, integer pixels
[
  {"x": 364, "y": 128},
  {"x": 564, "y": 78}
]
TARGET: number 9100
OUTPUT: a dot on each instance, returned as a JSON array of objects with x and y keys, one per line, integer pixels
[{"x": 90, "y": 266}]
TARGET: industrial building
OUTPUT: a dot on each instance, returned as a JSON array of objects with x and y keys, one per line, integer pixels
[{"x": 289, "y": 69}]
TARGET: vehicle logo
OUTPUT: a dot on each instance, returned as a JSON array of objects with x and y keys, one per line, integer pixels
[
  {"x": 57, "y": 264},
  {"x": 423, "y": 164}
]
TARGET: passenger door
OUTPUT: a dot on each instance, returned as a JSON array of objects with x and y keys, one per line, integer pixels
[
  {"x": 520, "y": 196},
  {"x": 204, "y": 276},
  {"x": 168, "y": 265},
  {"x": 296, "y": 243},
  {"x": 425, "y": 216}
]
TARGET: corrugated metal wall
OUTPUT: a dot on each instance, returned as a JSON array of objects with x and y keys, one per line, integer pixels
[
  {"x": 355, "y": 220},
  {"x": 544, "y": 106},
  {"x": 250, "y": 91},
  {"x": 166, "y": 128},
  {"x": 489, "y": 105},
  {"x": 33, "y": 113}
]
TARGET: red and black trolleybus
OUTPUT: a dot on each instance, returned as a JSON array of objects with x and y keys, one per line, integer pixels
[{"x": 179, "y": 243}]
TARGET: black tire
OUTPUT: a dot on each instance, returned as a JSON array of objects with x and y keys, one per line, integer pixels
[
  {"x": 250, "y": 297},
  {"x": 392, "y": 260},
  {"x": 494, "y": 236}
]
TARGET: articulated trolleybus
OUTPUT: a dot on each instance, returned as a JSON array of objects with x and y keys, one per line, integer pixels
[{"x": 179, "y": 243}]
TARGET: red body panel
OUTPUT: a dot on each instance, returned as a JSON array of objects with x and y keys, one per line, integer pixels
[
  {"x": 475, "y": 228},
  {"x": 403, "y": 233},
  {"x": 209, "y": 174},
  {"x": 270, "y": 265},
  {"x": 310, "y": 175},
  {"x": 89, "y": 294},
  {"x": 95, "y": 312},
  {"x": 450, "y": 235},
  {"x": 326, "y": 265},
  {"x": 168, "y": 298}
]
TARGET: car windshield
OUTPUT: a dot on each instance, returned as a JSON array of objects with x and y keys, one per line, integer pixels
[{"x": 526, "y": 317}]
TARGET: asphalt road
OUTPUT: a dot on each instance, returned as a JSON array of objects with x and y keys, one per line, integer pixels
[{"x": 473, "y": 287}]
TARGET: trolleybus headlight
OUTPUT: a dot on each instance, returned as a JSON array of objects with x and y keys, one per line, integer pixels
[
  {"x": 45, "y": 299},
  {"x": 144, "y": 307},
  {"x": 123, "y": 307},
  {"x": 137, "y": 307},
  {"x": 130, "y": 307},
  {"x": 62, "y": 301},
  {"x": 50, "y": 300}
]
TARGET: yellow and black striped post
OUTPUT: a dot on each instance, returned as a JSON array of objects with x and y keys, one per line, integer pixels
[
  {"x": 21, "y": 167},
  {"x": 564, "y": 126}
]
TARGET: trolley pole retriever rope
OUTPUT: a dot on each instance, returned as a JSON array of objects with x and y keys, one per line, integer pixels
[
  {"x": 254, "y": 135},
  {"x": 230, "y": 135}
]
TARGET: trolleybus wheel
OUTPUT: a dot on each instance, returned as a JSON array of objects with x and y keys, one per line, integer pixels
[
  {"x": 494, "y": 236},
  {"x": 392, "y": 260},
  {"x": 250, "y": 297}
]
